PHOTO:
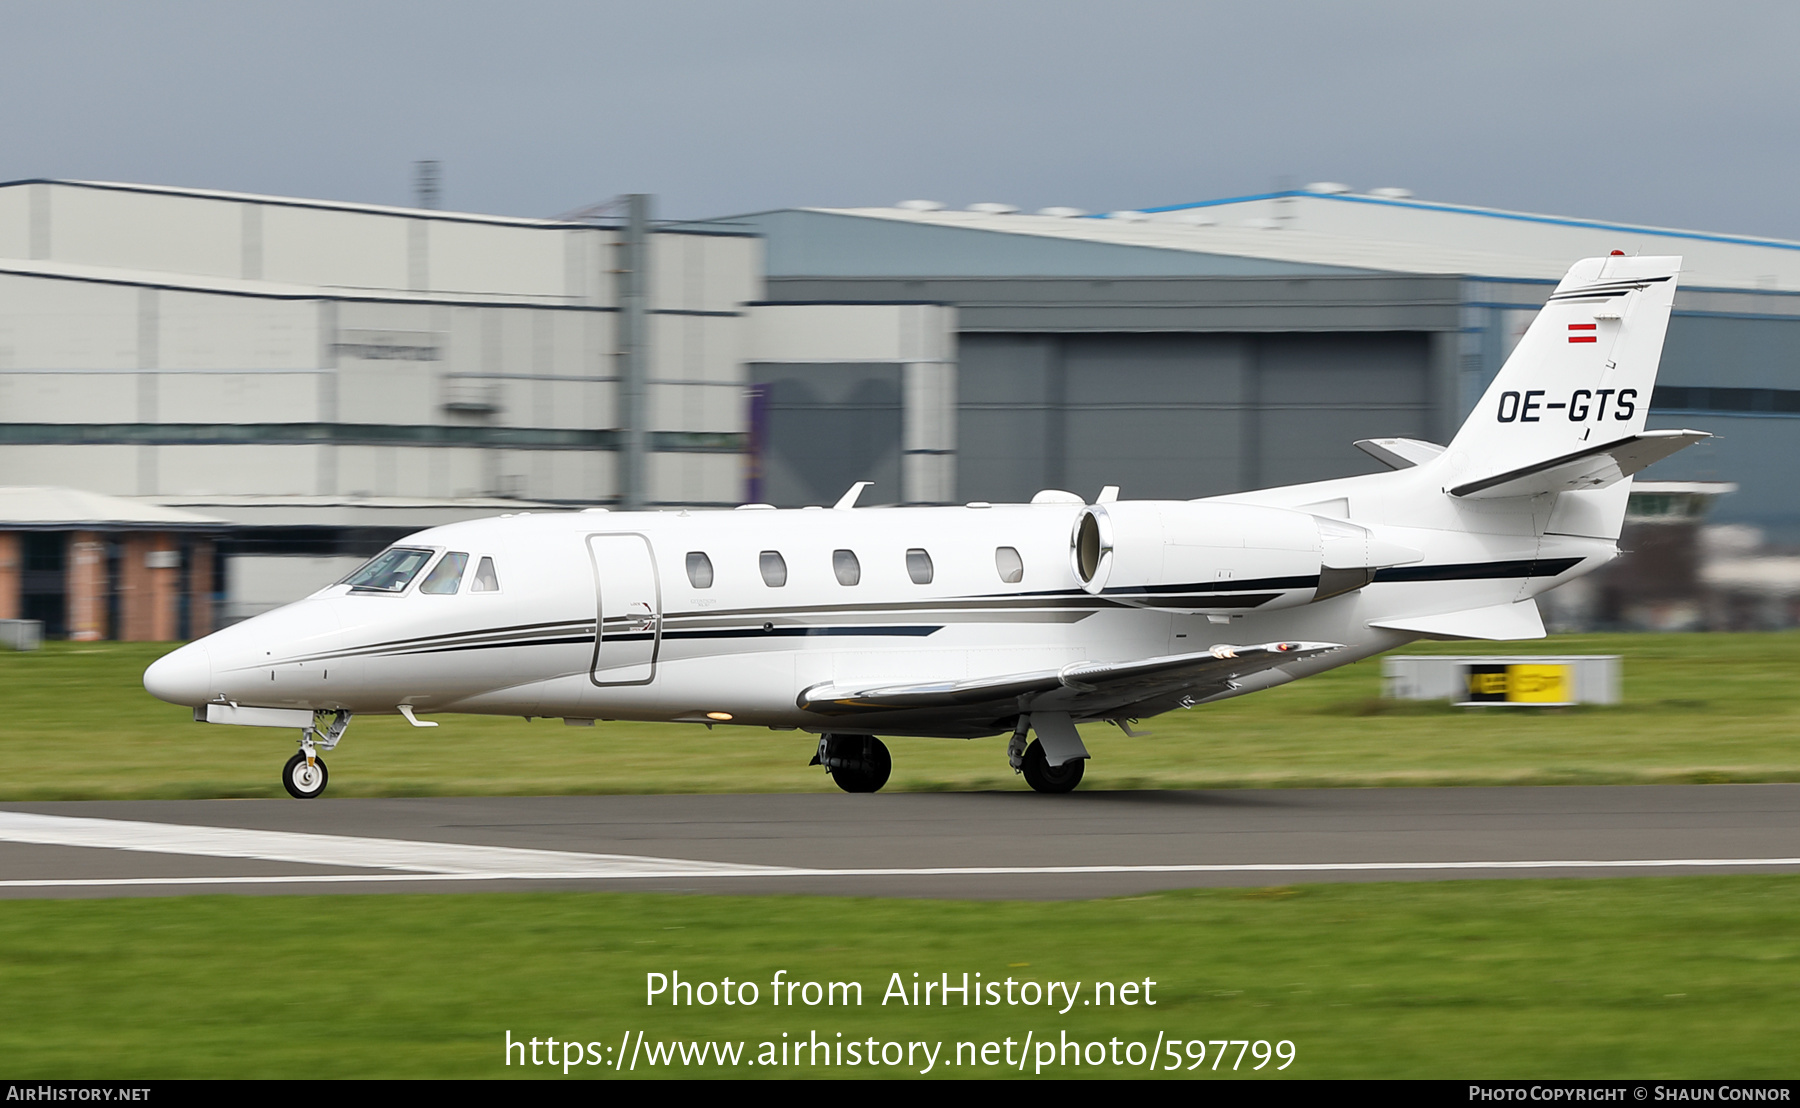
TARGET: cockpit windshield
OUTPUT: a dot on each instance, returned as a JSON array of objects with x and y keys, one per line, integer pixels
[{"x": 390, "y": 571}]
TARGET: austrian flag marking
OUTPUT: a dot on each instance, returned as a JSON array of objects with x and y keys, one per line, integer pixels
[{"x": 1583, "y": 327}]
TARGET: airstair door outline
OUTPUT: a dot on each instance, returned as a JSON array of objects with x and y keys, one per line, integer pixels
[{"x": 628, "y": 594}]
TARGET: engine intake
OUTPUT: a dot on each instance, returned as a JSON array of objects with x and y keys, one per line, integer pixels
[{"x": 1204, "y": 557}]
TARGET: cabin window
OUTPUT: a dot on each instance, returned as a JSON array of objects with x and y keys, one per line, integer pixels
[
  {"x": 486, "y": 580},
  {"x": 699, "y": 569},
  {"x": 918, "y": 566},
  {"x": 774, "y": 568},
  {"x": 389, "y": 571},
  {"x": 446, "y": 575},
  {"x": 845, "y": 565},
  {"x": 1010, "y": 566}
]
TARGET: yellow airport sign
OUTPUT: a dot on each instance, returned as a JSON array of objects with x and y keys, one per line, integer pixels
[{"x": 1518, "y": 683}]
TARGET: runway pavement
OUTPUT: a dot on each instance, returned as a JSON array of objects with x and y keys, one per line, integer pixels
[{"x": 978, "y": 845}]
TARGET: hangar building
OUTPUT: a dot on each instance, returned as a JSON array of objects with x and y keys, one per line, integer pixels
[
  {"x": 307, "y": 380},
  {"x": 317, "y": 379},
  {"x": 1231, "y": 344}
]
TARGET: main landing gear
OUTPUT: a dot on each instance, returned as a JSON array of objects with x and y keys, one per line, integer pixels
[
  {"x": 305, "y": 775},
  {"x": 857, "y": 763},
  {"x": 861, "y": 764},
  {"x": 1034, "y": 762},
  {"x": 1046, "y": 778}
]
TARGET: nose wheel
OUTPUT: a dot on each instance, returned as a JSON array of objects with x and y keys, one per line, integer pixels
[
  {"x": 304, "y": 779},
  {"x": 305, "y": 775}
]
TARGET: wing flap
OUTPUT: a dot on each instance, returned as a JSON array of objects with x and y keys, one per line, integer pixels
[
  {"x": 1592, "y": 468},
  {"x": 1068, "y": 686}
]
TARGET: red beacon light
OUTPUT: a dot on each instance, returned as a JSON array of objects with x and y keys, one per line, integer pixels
[{"x": 1618, "y": 253}]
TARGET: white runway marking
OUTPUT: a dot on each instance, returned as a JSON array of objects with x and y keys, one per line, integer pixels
[
  {"x": 444, "y": 859},
  {"x": 414, "y": 861}
]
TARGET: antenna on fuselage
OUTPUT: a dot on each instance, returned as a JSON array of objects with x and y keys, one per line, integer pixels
[{"x": 848, "y": 500}]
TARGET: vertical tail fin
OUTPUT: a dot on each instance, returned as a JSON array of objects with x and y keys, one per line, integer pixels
[{"x": 1581, "y": 377}]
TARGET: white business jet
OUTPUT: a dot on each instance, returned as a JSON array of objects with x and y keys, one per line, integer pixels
[{"x": 985, "y": 619}]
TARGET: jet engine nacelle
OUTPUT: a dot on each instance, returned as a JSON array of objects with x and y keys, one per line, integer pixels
[{"x": 1185, "y": 556}]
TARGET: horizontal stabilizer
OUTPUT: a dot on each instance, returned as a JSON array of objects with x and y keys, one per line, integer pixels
[
  {"x": 1399, "y": 453},
  {"x": 1594, "y": 467},
  {"x": 1067, "y": 688},
  {"x": 1499, "y": 622}
]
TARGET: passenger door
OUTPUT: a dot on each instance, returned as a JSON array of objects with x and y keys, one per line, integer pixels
[{"x": 628, "y": 635}]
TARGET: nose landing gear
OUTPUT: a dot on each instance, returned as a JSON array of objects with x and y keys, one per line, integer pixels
[{"x": 305, "y": 775}]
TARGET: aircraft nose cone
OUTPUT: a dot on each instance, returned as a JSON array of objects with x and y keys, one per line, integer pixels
[{"x": 181, "y": 677}]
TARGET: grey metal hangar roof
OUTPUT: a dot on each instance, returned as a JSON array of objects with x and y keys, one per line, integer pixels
[
  {"x": 1316, "y": 260},
  {"x": 1322, "y": 229}
]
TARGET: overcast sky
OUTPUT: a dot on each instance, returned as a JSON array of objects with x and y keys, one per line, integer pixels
[{"x": 1654, "y": 112}]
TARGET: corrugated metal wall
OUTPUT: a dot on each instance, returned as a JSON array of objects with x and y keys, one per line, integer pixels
[{"x": 1180, "y": 416}]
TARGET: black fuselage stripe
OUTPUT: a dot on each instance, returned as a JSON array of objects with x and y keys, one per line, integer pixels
[
  {"x": 791, "y": 632},
  {"x": 645, "y": 636},
  {"x": 583, "y": 640},
  {"x": 513, "y": 630},
  {"x": 1204, "y": 600},
  {"x": 483, "y": 638},
  {"x": 1194, "y": 595},
  {"x": 1467, "y": 571},
  {"x": 1261, "y": 584}
]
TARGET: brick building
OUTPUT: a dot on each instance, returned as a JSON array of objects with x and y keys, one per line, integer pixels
[{"x": 90, "y": 566}]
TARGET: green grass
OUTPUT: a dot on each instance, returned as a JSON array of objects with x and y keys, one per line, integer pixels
[
  {"x": 1646, "y": 977},
  {"x": 1650, "y": 977},
  {"x": 1698, "y": 708}
]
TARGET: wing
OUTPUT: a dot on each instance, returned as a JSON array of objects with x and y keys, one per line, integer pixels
[{"x": 1082, "y": 688}]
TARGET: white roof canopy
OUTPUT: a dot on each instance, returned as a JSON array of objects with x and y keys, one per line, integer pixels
[{"x": 43, "y": 508}]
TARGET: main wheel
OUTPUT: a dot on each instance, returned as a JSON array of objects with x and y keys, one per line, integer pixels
[
  {"x": 304, "y": 782},
  {"x": 857, "y": 763},
  {"x": 1046, "y": 778}
]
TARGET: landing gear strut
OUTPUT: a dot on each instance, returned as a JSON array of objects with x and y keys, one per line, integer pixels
[
  {"x": 305, "y": 775},
  {"x": 857, "y": 763}
]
